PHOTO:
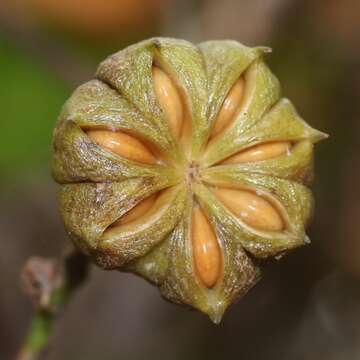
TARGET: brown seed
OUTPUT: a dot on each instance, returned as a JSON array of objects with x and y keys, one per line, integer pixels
[
  {"x": 122, "y": 144},
  {"x": 254, "y": 210},
  {"x": 260, "y": 152},
  {"x": 137, "y": 211},
  {"x": 206, "y": 251},
  {"x": 229, "y": 107},
  {"x": 169, "y": 100}
]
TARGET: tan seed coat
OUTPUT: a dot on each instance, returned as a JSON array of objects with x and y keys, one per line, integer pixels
[
  {"x": 260, "y": 152},
  {"x": 122, "y": 144},
  {"x": 206, "y": 251},
  {"x": 254, "y": 210},
  {"x": 169, "y": 100}
]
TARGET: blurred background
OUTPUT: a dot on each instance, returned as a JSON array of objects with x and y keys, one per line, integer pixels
[{"x": 307, "y": 305}]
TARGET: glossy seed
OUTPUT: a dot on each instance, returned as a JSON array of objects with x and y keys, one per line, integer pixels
[
  {"x": 137, "y": 211},
  {"x": 206, "y": 249},
  {"x": 229, "y": 107},
  {"x": 122, "y": 144},
  {"x": 169, "y": 100},
  {"x": 254, "y": 210},
  {"x": 260, "y": 152}
]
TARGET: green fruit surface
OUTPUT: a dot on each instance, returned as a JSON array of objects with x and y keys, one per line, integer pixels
[{"x": 98, "y": 186}]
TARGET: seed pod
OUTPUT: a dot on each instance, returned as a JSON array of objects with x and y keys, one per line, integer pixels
[{"x": 182, "y": 163}]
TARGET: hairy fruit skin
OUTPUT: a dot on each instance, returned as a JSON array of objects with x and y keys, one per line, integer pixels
[{"x": 195, "y": 147}]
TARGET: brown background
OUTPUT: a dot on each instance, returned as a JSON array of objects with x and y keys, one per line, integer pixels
[{"x": 308, "y": 304}]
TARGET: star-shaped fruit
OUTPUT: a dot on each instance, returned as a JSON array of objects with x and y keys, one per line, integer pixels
[{"x": 182, "y": 163}]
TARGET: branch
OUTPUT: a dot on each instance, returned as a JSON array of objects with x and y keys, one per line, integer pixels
[{"x": 50, "y": 283}]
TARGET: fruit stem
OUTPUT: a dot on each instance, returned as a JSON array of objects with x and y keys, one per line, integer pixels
[{"x": 51, "y": 284}]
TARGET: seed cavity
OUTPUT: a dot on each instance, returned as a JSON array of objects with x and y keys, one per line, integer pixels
[
  {"x": 260, "y": 152},
  {"x": 254, "y": 210},
  {"x": 137, "y": 211},
  {"x": 122, "y": 144},
  {"x": 169, "y": 100},
  {"x": 230, "y": 107},
  {"x": 143, "y": 215},
  {"x": 206, "y": 250}
]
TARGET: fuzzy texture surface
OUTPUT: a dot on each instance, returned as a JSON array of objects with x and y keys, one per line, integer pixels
[{"x": 98, "y": 186}]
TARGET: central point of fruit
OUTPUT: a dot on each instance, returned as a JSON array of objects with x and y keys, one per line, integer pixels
[{"x": 192, "y": 172}]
